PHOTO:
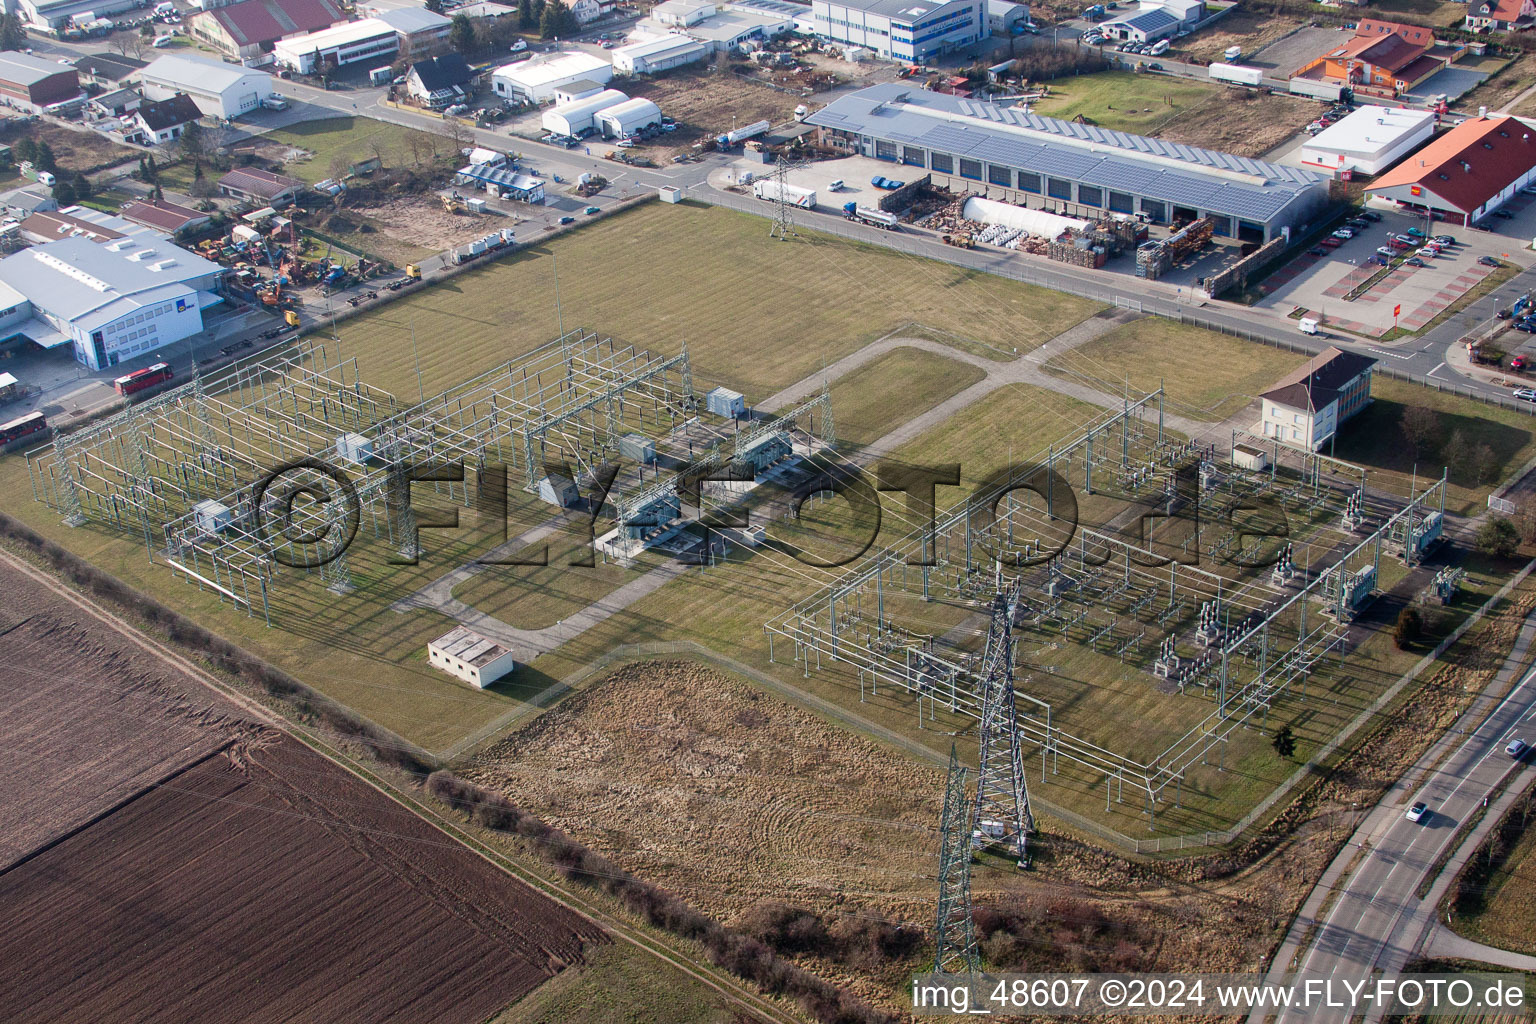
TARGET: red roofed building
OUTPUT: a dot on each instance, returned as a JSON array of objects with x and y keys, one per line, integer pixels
[
  {"x": 1466, "y": 173},
  {"x": 250, "y": 27},
  {"x": 1383, "y": 58},
  {"x": 163, "y": 216},
  {"x": 1500, "y": 15}
]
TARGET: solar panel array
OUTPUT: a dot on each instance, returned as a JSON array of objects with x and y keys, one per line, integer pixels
[{"x": 1209, "y": 180}]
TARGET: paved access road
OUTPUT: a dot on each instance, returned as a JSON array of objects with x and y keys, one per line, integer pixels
[{"x": 1366, "y": 913}]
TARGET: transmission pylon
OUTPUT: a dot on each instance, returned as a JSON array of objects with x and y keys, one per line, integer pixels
[
  {"x": 784, "y": 224},
  {"x": 954, "y": 938},
  {"x": 1002, "y": 796}
]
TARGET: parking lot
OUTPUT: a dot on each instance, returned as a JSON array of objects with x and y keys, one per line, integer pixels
[{"x": 1320, "y": 283}]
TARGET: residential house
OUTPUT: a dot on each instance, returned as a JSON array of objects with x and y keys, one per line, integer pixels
[
  {"x": 440, "y": 82},
  {"x": 1307, "y": 406},
  {"x": 1382, "y": 58},
  {"x": 1500, "y": 15},
  {"x": 263, "y": 188},
  {"x": 161, "y": 121}
]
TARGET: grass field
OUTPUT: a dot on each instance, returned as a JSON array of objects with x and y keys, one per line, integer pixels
[
  {"x": 353, "y": 139},
  {"x": 620, "y": 983},
  {"x": 886, "y": 392},
  {"x": 1212, "y": 377},
  {"x": 762, "y": 316},
  {"x": 1179, "y": 109},
  {"x": 1375, "y": 439},
  {"x": 1507, "y": 906}
]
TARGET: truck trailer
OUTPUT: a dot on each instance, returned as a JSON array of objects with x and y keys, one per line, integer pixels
[
  {"x": 770, "y": 190},
  {"x": 1236, "y": 74},
  {"x": 868, "y": 215},
  {"x": 742, "y": 134}
]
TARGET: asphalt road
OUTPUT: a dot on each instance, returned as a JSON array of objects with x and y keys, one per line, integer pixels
[{"x": 1375, "y": 918}]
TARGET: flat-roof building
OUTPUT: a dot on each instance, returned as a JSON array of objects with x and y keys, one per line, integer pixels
[
  {"x": 1368, "y": 141},
  {"x": 52, "y": 15},
  {"x": 1005, "y": 18},
  {"x": 535, "y": 81},
  {"x": 251, "y": 28},
  {"x": 35, "y": 83},
  {"x": 466, "y": 655},
  {"x": 110, "y": 300},
  {"x": 109, "y": 70},
  {"x": 1146, "y": 25},
  {"x": 1076, "y": 169},
  {"x": 1465, "y": 174},
  {"x": 219, "y": 89},
  {"x": 659, "y": 54},
  {"x": 901, "y": 29},
  {"x": 375, "y": 39}
]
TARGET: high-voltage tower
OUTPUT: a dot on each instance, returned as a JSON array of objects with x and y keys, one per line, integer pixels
[
  {"x": 954, "y": 935},
  {"x": 1002, "y": 812}
]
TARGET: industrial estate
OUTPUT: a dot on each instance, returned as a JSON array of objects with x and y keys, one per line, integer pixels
[{"x": 739, "y": 510}]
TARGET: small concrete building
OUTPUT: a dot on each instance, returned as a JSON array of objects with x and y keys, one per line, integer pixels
[
  {"x": 577, "y": 91},
  {"x": 1307, "y": 406},
  {"x": 466, "y": 655},
  {"x": 1369, "y": 140},
  {"x": 264, "y": 188},
  {"x": 1005, "y": 18}
]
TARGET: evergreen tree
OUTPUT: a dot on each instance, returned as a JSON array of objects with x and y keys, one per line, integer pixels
[
  {"x": 44, "y": 159},
  {"x": 83, "y": 187},
  {"x": 557, "y": 21},
  {"x": 435, "y": 6},
  {"x": 1284, "y": 742},
  {"x": 64, "y": 193},
  {"x": 526, "y": 19},
  {"x": 461, "y": 34},
  {"x": 13, "y": 32}
]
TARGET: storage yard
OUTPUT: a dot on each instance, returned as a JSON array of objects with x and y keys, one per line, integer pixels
[{"x": 269, "y": 839}]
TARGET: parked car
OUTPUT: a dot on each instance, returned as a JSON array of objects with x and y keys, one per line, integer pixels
[
  {"x": 1386, "y": 250},
  {"x": 1331, "y": 243},
  {"x": 1524, "y": 325},
  {"x": 1489, "y": 261},
  {"x": 1503, "y": 214},
  {"x": 1428, "y": 251},
  {"x": 1317, "y": 250},
  {"x": 1343, "y": 234},
  {"x": 1525, "y": 394},
  {"x": 1518, "y": 748},
  {"x": 1154, "y": 66},
  {"x": 1418, "y": 812},
  {"x": 1445, "y": 240},
  {"x": 1414, "y": 261},
  {"x": 1371, "y": 215},
  {"x": 1378, "y": 260},
  {"x": 1520, "y": 364},
  {"x": 1416, "y": 232},
  {"x": 567, "y": 220},
  {"x": 593, "y": 209}
]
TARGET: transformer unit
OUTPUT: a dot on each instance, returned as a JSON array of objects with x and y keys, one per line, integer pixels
[
  {"x": 637, "y": 448},
  {"x": 212, "y": 516},
  {"x": 722, "y": 401},
  {"x": 354, "y": 448}
]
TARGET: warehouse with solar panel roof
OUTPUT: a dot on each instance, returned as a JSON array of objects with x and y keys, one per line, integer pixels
[{"x": 1071, "y": 168}]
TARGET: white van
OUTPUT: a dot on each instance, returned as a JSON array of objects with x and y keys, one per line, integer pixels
[
  {"x": 1159, "y": 48},
  {"x": 161, "y": 10},
  {"x": 161, "y": 42},
  {"x": 46, "y": 178}
]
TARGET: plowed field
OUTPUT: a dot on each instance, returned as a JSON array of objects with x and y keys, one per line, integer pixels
[{"x": 165, "y": 861}]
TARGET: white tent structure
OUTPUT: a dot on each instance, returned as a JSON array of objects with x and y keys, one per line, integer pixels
[{"x": 1034, "y": 222}]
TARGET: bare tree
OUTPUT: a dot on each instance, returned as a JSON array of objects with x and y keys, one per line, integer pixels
[
  {"x": 376, "y": 147},
  {"x": 1421, "y": 428},
  {"x": 1485, "y": 464}
]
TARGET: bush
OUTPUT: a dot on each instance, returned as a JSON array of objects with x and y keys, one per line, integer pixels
[
  {"x": 1043, "y": 63},
  {"x": 1498, "y": 537}
]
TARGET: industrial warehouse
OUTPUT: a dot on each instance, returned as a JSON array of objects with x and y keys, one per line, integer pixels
[{"x": 1069, "y": 168}]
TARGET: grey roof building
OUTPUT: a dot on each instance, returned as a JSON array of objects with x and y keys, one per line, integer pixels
[{"x": 1019, "y": 157}]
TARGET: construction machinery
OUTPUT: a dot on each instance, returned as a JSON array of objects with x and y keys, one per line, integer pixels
[
  {"x": 454, "y": 203},
  {"x": 291, "y": 317},
  {"x": 413, "y": 272}
]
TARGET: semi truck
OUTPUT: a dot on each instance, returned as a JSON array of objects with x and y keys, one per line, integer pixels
[
  {"x": 868, "y": 215},
  {"x": 769, "y": 190},
  {"x": 1237, "y": 75},
  {"x": 742, "y": 134}
]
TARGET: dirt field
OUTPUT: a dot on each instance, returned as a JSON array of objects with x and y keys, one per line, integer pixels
[
  {"x": 250, "y": 882},
  {"x": 406, "y": 228},
  {"x": 1240, "y": 28},
  {"x": 707, "y": 103},
  {"x": 75, "y": 150}
]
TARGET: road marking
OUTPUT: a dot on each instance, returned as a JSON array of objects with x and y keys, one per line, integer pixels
[
  {"x": 1437, "y": 369},
  {"x": 1391, "y": 355}
]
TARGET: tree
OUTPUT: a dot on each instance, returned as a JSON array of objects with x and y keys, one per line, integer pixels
[
  {"x": 527, "y": 20},
  {"x": 13, "y": 32},
  {"x": 25, "y": 149},
  {"x": 557, "y": 21},
  {"x": 1498, "y": 537},
  {"x": 44, "y": 160},
  {"x": 1485, "y": 464},
  {"x": 64, "y": 193},
  {"x": 194, "y": 141},
  {"x": 1421, "y": 428},
  {"x": 1410, "y": 626},
  {"x": 1525, "y": 519},
  {"x": 435, "y": 6},
  {"x": 461, "y": 34},
  {"x": 82, "y": 185},
  {"x": 1284, "y": 741}
]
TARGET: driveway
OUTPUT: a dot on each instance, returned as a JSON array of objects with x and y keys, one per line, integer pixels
[{"x": 1453, "y": 81}]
